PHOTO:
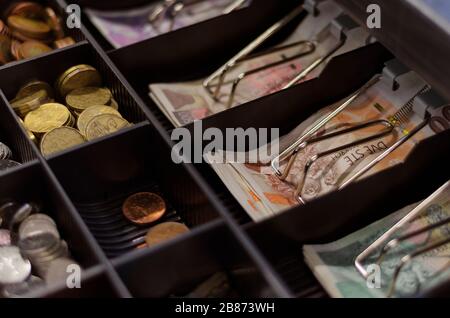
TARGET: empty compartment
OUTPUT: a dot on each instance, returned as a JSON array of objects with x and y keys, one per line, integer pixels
[
  {"x": 14, "y": 77},
  {"x": 32, "y": 185},
  {"x": 100, "y": 177},
  {"x": 209, "y": 262}
]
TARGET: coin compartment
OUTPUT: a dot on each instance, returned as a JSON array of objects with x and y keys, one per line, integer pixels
[
  {"x": 257, "y": 11},
  {"x": 75, "y": 33},
  {"x": 32, "y": 184},
  {"x": 15, "y": 76},
  {"x": 99, "y": 177},
  {"x": 305, "y": 225},
  {"x": 175, "y": 269}
]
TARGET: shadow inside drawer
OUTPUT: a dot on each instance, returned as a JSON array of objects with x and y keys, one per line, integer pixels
[
  {"x": 115, "y": 234},
  {"x": 100, "y": 177}
]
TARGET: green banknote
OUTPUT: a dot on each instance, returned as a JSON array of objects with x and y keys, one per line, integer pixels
[{"x": 334, "y": 264}]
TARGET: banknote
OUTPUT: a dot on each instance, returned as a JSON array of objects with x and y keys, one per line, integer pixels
[
  {"x": 334, "y": 264},
  {"x": 186, "y": 102},
  {"x": 125, "y": 27},
  {"x": 263, "y": 194}
]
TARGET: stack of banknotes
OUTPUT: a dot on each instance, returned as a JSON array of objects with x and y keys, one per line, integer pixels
[
  {"x": 186, "y": 102},
  {"x": 126, "y": 27},
  {"x": 334, "y": 264}
]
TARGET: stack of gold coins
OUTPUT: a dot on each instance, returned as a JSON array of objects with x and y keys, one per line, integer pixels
[
  {"x": 31, "y": 29},
  {"x": 31, "y": 96},
  {"x": 80, "y": 110}
]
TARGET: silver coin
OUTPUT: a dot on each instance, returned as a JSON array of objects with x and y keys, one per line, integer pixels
[
  {"x": 5, "y": 152},
  {"x": 13, "y": 267},
  {"x": 8, "y": 164},
  {"x": 49, "y": 255},
  {"x": 22, "y": 289},
  {"x": 5, "y": 238},
  {"x": 13, "y": 213},
  {"x": 20, "y": 214},
  {"x": 37, "y": 224},
  {"x": 38, "y": 244}
]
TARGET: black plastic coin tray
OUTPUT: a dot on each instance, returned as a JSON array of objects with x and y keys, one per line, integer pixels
[{"x": 83, "y": 188}]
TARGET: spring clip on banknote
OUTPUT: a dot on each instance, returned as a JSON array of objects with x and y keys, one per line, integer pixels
[
  {"x": 335, "y": 30},
  {"x": 391, "y": 72},
  {"x": 385, "y": 243},
  {"x": 172, "y": 8}
]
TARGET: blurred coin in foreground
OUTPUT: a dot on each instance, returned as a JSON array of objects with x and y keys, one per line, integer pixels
[
  {"x": 60, "y": 139},
  {"x": 164, "y": 232}
]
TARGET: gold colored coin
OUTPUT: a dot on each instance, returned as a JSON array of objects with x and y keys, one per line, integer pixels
[
  {"x": 31, "y": 49},
  {"x": 47, "y": 117},
  {"x": 30, "y": 135},
  {"x": 144, "y": 208},
  {"x": 68, "y": 41},
  {"x": 15, "y": 45},
  {"x": 31, "y": 28},
  {"x": 33, "y": 87},
  {"x": 87, "y": 115},
  {"x": 28, "y": 103},
  {"x": 104, "y": 125},
  {"x": 60, "y": 139},
  {"x": 85, "y": 97},
  {"x": 114, "y": 104},
  {"x": 76, "y": 77},
  {"x": 71, "y": 121},
  {"x": 22, "y": 38},
  {"x": 164, "y": 232}
]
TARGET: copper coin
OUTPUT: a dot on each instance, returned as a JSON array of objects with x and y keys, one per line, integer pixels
[
  {"x": 54, "y": 22},
  {"x": 18, "y": 36},
  {"x": 164, "y": 232},
  {"x": 26, "y": 9},
  {"x": 144, "y": 208},
  {"x": 15, "y": 45}
]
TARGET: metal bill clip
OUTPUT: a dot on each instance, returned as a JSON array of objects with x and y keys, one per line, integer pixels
[
  {"x": 389, "y": 241},
  {"x": 336, "y": 27},
  {"x": 387, "y": 125},
  {"x": 172, "y": 8}
]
